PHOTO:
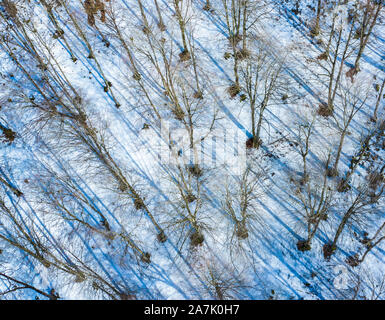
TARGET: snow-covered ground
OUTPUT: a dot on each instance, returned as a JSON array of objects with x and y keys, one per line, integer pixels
[{"x": 100, "y": 169}]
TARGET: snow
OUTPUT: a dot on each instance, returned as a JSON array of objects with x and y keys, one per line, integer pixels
[{"x": 70, "y": 188}]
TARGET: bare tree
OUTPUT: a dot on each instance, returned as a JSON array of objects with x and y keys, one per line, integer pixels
[
  {"x": 241, "y": 18},
  {"x": 360, "y": 204},
  {"x": 241, "y": 205},
  {"x": 313, "y": 189},
  {"x": 332, "y": 60},
  {"x": 380, "y": 97},
  {"x": 353, "y": 100},
  {"x": 369, "y": 13},
  {"x": 263, "y": 82}
]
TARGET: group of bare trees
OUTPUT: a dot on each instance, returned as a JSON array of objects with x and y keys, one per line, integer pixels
[
  {"x": 338, "y": 190},
  {"x": 86, "y": 85}
]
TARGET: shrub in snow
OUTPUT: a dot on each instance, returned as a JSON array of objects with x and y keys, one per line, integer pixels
[
  {"x": 196, "y": 238},
  {"x": 241, "y": 230},
  {"x": 162, "y": 26},
  {"x": 328, "y": 249},
  {"x": 243, "y": 54},
  {"x": 253, "y": 143},
  {"x": 8, "y": 134},
  {"x": 353, "y": 260},
  {"x": 138, "y": 203},
  {"x": 303, "y": 245},
  {"x": 178, "y": 113},
  {"x": 146, "y": 257},
  {"x": 184, "y": 55},
  {"x": 343, "y": 186},
  {"x": 233, "y": 90},
  {"x": 162, "y": 237},
  {"x": 198, "y": 95},
  {"x": 235, "y": 39},
  {"x": 325, "y": 110},
  {"x": 331, "y": 172},
  {"x": 191, "y": 197},
  {"x": 195, "y": 170},
  {"x": 375, "y": 179},
  {"x": 137, "y": 76}
]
